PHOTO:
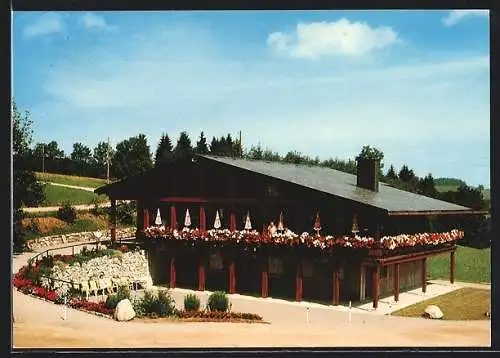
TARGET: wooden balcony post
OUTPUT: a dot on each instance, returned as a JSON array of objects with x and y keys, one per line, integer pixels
[
  {"x": 113, "y": 220},
  {"x": 172, "y": 272},
  {"x": 452, "y": 267},
  {"x": 173, "y": 217},
  {"x": 396, "y": 282},
  {"x": 298, "y": 282},
  {"x": 146, "y": 219},
  {"x": 265, "y": 278},
  {"x": 336, "y": 286},
  {"x": 232, "y": 277},
  {"x": 375, "y": 282},
  {"x": 424, "y": 275},
  {"x": 203, "y": 219},
  {"x": 201, "y": 275}
]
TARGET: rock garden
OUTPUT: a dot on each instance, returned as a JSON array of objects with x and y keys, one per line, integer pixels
[{"x": 101, "y": 281}]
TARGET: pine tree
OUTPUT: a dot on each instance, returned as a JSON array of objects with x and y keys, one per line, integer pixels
[
  {"x": 164, "y": 150},
  {"x": 214, "y": 146},
  {"x": 183, "y": 149},
  {"x": 391, "y": 173},
  {"x": 427, "y": 187},
  {"x": 201, "y": 145},
  {"x": 405, "y": 174}
]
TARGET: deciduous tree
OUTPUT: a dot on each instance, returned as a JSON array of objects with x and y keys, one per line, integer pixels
[{"x": 132, "y": 157}]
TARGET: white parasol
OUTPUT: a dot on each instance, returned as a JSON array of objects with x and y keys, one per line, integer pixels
[
  {"x": 217, "y": 224},
  {"x": 248, "y": 223},
  {"x": 158, "y": 218},
  {"x": 187, "y": 220}
]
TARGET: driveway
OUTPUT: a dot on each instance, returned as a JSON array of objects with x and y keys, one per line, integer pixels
[{"x": 38, "y": 324}]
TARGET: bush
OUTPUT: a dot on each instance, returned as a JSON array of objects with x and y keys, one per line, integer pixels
[
  {"x": 154, "y": 305},
  {"x": 67, "y": 213},
  {"x": 125, "y": 213},
  {"x": 122, "y": 293},
  {"x": 218, "y": 301},
  {"x": 96, "y": 208},
  {"x": 19, "y": 233},
  {"x": 191, "y": 302}
]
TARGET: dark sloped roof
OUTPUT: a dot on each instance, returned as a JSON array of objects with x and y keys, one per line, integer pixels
[{"x": 343, "y": 185}]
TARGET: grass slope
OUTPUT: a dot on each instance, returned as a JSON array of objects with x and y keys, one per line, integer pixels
[
  {"x": 56, "y": 195},
  {"x": 52, "y": 226},
  {"x": 71, "y": 180},
  {"x": 463, "y": 304},
  {"x": 471, "y": 265}
]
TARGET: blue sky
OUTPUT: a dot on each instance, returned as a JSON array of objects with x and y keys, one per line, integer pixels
[{"x": 414, "y": 84}]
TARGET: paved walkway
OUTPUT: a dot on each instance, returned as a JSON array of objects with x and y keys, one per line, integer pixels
[
  {"x": 39, "y": 324},
  {"x": 72, "y": 186}
]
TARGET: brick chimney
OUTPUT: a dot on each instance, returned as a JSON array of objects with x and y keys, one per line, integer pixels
[{"x": 367, "y": 173}]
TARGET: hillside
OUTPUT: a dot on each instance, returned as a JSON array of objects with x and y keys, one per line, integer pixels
[{"x": 70, "y": 180}]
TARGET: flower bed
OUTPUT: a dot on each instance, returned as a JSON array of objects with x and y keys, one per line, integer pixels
[
  {"x": 28, "y": 286},
  {"x": 291, "y": 239},
  {"x": 222, "y": 316}
]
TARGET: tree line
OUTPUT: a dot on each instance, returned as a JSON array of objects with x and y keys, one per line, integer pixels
[{"x": 133, "y": 156}]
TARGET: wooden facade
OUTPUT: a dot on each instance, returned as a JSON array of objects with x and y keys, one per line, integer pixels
[{"x": 205, "y": 187}]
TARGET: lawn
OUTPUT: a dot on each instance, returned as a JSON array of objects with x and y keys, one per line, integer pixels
[
  {"x": 471, "y": 265},
  {"x": 453, "y": 187},
  {"x": 71, "y": 180},
  {"x": 56, "y": 195},
  {"x": 463, "y": 304}
]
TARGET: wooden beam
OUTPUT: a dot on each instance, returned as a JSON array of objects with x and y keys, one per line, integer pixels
[
  {"x": 413, "y": 256},
  {"x": 146, "y": 218},
  {"x": 336, "y": 286},
  {"x": 113, "y": 220},
  {"x": 232, "y": 278},
  {"x": 298, "y": 282},
  {"x": 203, "y": 219},
  {"x": 265, "y": 278},
  {"x": 452, "y": 267},
  {"x": 396, "y": 282},
  {"x": 201, "y": 275},
  {"x": 375, "y": 282},
  {"x": 424, "y": 274},
  {"x": 437, "y": 212},
  {"x": 173, "y": 217},
  {"x": 172, "y": 272}
]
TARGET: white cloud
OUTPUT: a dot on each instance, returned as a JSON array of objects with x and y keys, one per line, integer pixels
[
  {"x": 318, "y": 39},
  {"x": 93, "y": 21},
  {"x": 455, "y": 16},
  {"x": 178, "y": 80},
  {"x": 45, "y": 24}
]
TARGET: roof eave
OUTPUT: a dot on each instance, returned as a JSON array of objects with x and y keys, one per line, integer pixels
[{"x": 438, "y": 212}]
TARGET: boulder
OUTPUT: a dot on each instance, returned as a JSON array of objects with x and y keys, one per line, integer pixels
[
  {"x": 433, "y": 312},
  {"x": 124, "y": 311}
]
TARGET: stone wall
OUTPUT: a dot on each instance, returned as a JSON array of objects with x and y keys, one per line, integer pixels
[
  {"x": 77, "y": 237},
  {"x": 132, "y": 265}
]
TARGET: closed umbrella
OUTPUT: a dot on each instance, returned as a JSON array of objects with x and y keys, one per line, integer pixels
[
  {"x": 158, "y": 218},
  {"x": 187, "y": 219},
  {"x": 217, "y": 224},
  {"x": 248, "y": 223}
]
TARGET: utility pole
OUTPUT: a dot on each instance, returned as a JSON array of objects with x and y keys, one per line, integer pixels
[
  {"x": 241, "y": 147},
  {"x": 43, "y": 157},
  {"x": 107, "y": 163}
]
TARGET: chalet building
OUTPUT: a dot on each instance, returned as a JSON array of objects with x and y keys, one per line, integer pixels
[{"x": 284, "y": 230}]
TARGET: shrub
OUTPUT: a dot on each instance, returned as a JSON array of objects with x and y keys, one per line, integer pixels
[
  {"x": 153, "y": 304},
  {"x": 218, "y": 301},
  {"x": 122, "y": 293},
  {"x": 19, "y": 233},
  {"x": 191, "y": 302},
  {"x": 67, "y": 213},
  {"x": 96, "y": 209},
  {"x": 125, "y": 213}
]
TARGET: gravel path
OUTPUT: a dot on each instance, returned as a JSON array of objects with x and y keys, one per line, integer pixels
[{"x": 39, "y": 324}]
